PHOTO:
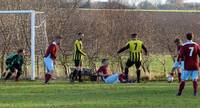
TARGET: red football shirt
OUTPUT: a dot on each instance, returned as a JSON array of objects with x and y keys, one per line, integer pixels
[
  {"x": 178, "y": 48},
  {"x": 189, "y": 53},
  {"x": 103, "y": 70},
  {"x": 52, "y": 50}
]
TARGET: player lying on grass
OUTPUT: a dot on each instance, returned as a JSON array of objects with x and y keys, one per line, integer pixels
[
  {"x": 14, "y": 65},
  {"x": 78, "y": 58},
  {"x": 189, "y": 53},
  {"x": 176, "y": 65},
  {"x": 50, "y": 58},
  {"x": 135, "y": 47},
  {"x": 107, "y": 77}
]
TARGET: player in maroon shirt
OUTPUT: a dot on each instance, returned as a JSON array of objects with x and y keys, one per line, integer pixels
[
  {"x": 176, "y": 65},
  {"x": 190, "y": 52},
  {"x": 50, "y": 57},
  {"x": 109, "y": 78}
]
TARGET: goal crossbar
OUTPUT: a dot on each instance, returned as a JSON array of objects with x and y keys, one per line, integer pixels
[{"x": 33, "y": 33}]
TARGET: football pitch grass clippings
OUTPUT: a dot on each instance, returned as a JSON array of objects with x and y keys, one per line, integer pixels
[{"x": 28, "y": 94}]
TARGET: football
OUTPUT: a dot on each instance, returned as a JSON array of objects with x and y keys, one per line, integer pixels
[{"x": 170, "y": 78}]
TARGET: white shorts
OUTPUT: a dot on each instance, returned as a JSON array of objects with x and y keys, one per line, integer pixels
[
  {"x": 176, "y": 65},
  {"x": 49, "y": 64},
  {"x": 187, "y": 74},
  {"x": 113, "y": 79}
]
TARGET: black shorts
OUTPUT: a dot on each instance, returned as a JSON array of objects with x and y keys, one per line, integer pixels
[
  {"x": 78, "y": 63},
  {"x": 130, "y": 63},
  {"x": 17, "y": 67}
]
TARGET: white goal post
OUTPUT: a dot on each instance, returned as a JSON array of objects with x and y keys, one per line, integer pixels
[{"x": 33, "y": 33}]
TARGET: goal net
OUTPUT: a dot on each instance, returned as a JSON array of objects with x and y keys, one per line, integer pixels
[{"x": 24, "y": 29}]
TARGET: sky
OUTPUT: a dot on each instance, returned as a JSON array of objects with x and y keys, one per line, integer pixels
[
  {"x": 192, "y": 1},
  {"x": 188, "y": 1}
]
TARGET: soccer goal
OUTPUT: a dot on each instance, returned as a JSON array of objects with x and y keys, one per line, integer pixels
[{"x": 33, "y": 25}]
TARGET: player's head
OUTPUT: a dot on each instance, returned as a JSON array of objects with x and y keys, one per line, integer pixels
[
  {"x": 177, "y": 41},
  {"x": 80, "y": 35},
  {"x": 105, "y": 62},
  {"x": 189, "y": 36},
  {"x": 21, "y": 51},
  {"x": 57, "y": 39},
  {"x": 134, "y": 35}
]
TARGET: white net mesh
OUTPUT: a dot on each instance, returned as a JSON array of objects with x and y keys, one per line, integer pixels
[{"x": 15, "y": 33}]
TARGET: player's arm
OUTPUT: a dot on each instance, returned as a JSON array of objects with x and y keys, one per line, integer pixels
[
  {"x": 123, "y": 49},
  {"x": 100, "y": 72},
  {"x": 22, "y": 61},
  {"x": 176, "y": 54},
  {"x": 145, "y": 49},
  {"x": 181, "y": 55},
  {"x": 53, "y": 51},
  {"x": 199, "y": 54},
  {"x": 80, "y": 50},
  {"x": 199, "y": 51}
]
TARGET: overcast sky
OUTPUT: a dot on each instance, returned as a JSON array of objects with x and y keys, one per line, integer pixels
[{"x": 192, "y": 1}]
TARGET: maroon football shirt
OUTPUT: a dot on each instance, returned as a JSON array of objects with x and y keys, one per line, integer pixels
[
  {"x": 179, "y": 48},
  {"x": 103, "y": 70},
  {"x": 52, "y": 50},
  {"x": 189, "y": 53}
]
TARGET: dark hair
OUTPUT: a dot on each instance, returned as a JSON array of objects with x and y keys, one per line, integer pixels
[
  {"x": 189, "y": 35},
  {"x": 177, "y": 40},
  {"x": 104, "y": 60},
  {"x": 20, "y": 50},
  {"x": 80, "y": 33},
  {"x": 134, "y": 35}
]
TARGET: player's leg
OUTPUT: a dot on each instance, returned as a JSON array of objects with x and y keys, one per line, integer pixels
[
  {"x": 180, "y": 68},
  {"x": 50, "y": 69},
  {"x": 9, "y": 74},
  {"x": 184, "y": 76},
  {"x": 4, "y": 74},
  {"x": 80, "y": 72},
  {"x": 19, "y": 72},
  {"x": 73, "y": 75},
  {"x": 195, "y": 75},
  {"x": 129, "y": 63},
  {"x": 179, "y": 75},
  {"x": 175, "y": 66},
  {"x": 138, "y": 65},
  {"x": 47, "y": 77},
  {"x": 76, "y": 70},
  {"x": 112, "y": 79}
]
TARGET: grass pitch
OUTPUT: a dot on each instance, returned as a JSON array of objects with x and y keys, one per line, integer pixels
[{"x": 88, "y": 95}]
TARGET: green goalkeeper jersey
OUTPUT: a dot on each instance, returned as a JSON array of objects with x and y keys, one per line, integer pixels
[{"x": 16, "y": 60}]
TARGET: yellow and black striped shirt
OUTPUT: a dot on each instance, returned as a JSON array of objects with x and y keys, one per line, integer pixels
[
  {"x": 78, "y": 50},
  {"x": 135, "y": 50}
]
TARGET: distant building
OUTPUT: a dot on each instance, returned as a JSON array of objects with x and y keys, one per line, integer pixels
[{"x": 99, "y": 5}]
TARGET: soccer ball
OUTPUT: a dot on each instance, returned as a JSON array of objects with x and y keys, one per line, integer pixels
[{"x": 170, "y": 78}]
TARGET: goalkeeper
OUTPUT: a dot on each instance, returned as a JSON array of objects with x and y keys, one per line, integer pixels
[{"x": 14, "y": 65}]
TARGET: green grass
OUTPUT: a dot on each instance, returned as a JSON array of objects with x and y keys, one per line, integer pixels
[
  {"x": 156, "y": 65},
  {"x": 88, "y": 95}
]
